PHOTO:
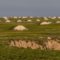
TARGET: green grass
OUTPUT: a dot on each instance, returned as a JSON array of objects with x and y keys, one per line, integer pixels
[
  {"x": 8, "y": 53},
  {"x": 35, "y": 32}
]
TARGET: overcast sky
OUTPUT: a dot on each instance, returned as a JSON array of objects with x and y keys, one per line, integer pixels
[{"x": 29, "y": 7}]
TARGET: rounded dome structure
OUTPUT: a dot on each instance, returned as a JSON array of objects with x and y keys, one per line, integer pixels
[{"x": 20, "y": 28}]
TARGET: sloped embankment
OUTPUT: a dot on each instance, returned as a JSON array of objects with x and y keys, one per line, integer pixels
[
  {"x": 49, "y": 44},
  {"x": 24, "y": 44}
]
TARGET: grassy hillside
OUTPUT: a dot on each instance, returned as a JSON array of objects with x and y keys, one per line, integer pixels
[{"x": 36, "y": 32}]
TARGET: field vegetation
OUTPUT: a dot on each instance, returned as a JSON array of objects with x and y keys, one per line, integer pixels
[{"x": 36, "y": 32}]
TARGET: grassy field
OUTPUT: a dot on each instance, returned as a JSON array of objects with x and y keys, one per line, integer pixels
[
  {"x": 35, "y": 32},
  {"x": 7, "y": 53}
]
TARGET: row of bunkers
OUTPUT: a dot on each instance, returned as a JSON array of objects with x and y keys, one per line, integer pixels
[
  {"x": 52, "y": 17},
  {"x": 41, "y": 20}
]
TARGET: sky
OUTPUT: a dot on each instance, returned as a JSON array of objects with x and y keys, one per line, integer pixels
[{"x": 29, "y": 7}]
